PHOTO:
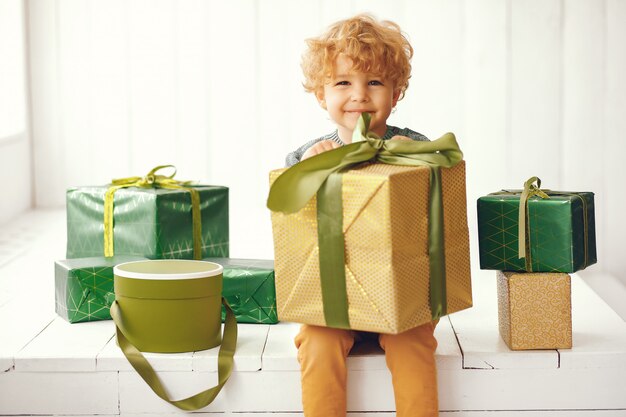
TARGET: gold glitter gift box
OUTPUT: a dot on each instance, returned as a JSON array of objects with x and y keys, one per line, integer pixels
[
  {"x": 534, "y": 310},
  {"x": 385, "y": 226}
]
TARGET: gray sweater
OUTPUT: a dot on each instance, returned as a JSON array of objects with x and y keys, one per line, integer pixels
[{"x": 296, "y": 156}]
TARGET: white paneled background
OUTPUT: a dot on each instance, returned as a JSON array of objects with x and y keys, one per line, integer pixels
[
  {"x": 15, "y": 150},
  {"x": 214, "y": 87}
]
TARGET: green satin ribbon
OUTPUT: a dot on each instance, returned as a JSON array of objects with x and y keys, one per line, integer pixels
[
  {"x": 296, "y": 186},
  {"x": 523, "y": 233},
  {"x": 331, "y": 245},
  {"x": 147, "y": 373},
  {"x": 152, "y": 180}
]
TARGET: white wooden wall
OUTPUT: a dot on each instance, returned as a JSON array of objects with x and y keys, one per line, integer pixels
[{"x": 529, "y": 87}]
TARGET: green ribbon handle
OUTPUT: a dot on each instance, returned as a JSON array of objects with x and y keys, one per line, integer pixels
[
  {"x": 147, "y": 373},
  {"x": 523, "y": 231},
  {"x": 296, "y": 186},
  {"x": 152, "y": 180}
]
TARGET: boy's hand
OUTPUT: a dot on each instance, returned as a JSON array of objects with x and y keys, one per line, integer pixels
[
  {"x": 400, "y": 137},
  {"x": 319, "y": 147}
]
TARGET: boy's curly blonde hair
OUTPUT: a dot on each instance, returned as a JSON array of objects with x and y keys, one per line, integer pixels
[{"x": 374, "y": 47}]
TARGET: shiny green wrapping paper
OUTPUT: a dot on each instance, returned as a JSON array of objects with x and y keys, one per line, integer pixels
[
  {"x": 155, "y": 223},
  {"x": 249, "y": 289},
  {"x": 560, "y": 232},
  {"x": 84, "y": 287}
]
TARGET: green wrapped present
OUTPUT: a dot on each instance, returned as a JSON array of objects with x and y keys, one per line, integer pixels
[
  {"x": 84, "y": 287},
  {"x": 536, "y": 230},
  {"x": 248, "y": 287},
  {"x": 155, "y": 217}
]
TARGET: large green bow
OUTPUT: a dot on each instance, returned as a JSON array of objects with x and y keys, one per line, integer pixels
[
  {"x": 152, "y": 180},
  {"x": 296, "y": 186}
]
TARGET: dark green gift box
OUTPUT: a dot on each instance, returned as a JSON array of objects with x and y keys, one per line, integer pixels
[
  {"x": 155, "y": 223},
  {"x": 84, "y": 287},
  {"x": 560, "y": 232},
  {"x": 248, "y": 286}
]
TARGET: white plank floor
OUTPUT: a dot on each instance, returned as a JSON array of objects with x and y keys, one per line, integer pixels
[{"x": 50, "y": 367}]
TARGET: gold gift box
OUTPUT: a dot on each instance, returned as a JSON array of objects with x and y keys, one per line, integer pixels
[
  {"x": 385, "y": 225},
  {"x": 535, "y": 310}
]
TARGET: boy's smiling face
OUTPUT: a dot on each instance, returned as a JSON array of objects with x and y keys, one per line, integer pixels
[{"x": 349, "y": 93}]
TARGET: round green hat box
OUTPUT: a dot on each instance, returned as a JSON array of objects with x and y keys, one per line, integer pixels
[{"x": 170, "y": 305}]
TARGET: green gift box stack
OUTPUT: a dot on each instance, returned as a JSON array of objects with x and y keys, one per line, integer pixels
[
  {"x": 557, "y": 229},
  {"x": 136, "y": 218},
  {"x": 84, "y": 287},
  {"x": 249, "y": 289},
  {"x": 154, "y": 216},
  {"x": 534, "y": 238}
]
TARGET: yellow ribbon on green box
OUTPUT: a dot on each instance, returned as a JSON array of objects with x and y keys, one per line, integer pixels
[
  {"x": 152, "y": 180},
  {"x": 320, "y": 174}
]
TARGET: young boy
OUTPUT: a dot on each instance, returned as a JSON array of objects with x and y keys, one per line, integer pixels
[{"x": 361, "y": 65}]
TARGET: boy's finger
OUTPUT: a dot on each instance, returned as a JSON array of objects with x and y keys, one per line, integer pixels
[
  {"x": 328, "y": 145},
  {"x": 313, "y": 150},
  {"x": 400, "y": 137},
  {"x": 320, "y": 147}
]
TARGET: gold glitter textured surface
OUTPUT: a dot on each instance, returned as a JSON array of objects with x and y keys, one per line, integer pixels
[
  {"x": 385, "y": 209},
  {"x": 534, "y": 310}
]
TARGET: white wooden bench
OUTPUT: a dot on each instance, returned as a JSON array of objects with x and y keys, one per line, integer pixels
[{"x": 50, "y": 367}]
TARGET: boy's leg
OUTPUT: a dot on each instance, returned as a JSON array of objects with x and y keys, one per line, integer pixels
[
  {"x": 410, "y": 357},
  {"x": 322, "y": 354}
]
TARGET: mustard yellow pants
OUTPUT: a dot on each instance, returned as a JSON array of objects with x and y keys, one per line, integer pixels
[{"x": 410, "y": 356}]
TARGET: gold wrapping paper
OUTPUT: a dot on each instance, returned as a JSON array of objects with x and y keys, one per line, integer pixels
[
  {"x": 385, "y": 211},
  {"x": 534, "y": 310}
]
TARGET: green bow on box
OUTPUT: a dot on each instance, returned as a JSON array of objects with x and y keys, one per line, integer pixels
[
  {"x": 530, "y": 190},
  {"x": 152, "y": 180}
]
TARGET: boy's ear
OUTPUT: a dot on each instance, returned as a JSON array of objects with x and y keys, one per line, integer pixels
[
  {"x": 320, "y": 98},
  {"x": 396, "y": 96}
]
